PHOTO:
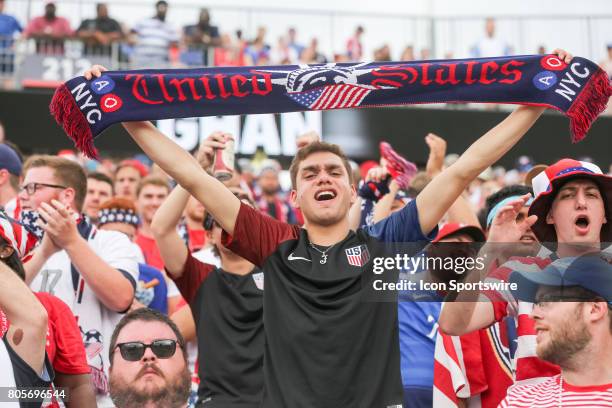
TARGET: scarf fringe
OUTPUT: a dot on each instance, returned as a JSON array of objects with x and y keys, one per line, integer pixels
[
  {"x": 68, "y": 115},
  {"x": 590, "y": 103}
]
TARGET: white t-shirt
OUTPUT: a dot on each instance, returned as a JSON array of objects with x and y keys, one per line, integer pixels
[
  {"x": 207, "y": 255},
  {"x": 95, "y": 320},
  {"x": 490, "y": 47}
]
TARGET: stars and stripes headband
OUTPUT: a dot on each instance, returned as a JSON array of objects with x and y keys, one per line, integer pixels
[{"x": 125, "y": 216}]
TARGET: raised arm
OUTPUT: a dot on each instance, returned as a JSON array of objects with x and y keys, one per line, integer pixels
[
  {"x": 182, "y": 167},
  {"x": 443, "y": 190},
  {"x": 437, "y": 197},
  {"x": 186, "y": 170},
  {"x": 470, "y": 311},
  {"x": 27, "y": 334},
  {"x": 461, "y": 211},
  {"x": 171, "y": 246},
  {"x": 382, "y": 209}
]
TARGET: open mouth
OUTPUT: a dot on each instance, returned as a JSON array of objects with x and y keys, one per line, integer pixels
[
  {"x": 582, "y": 223},
  {"x": 325, "y": 195},
  {"x": 528, "y": 238}
]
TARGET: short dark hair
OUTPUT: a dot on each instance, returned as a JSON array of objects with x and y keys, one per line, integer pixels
[
  {"x": 316, "y": 147},
  {"x": 145, "y": 315},
  {"x": 96, "y": 175},
  {"x": 508, "y": 191},
  {"x": 161, "y": 3}
]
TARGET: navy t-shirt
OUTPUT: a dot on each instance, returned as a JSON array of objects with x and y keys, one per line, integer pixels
[{"x": 325, "y": 346}]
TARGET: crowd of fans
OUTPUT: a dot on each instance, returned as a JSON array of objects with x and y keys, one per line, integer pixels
[
  {"x": 148, "y": 278},
  {"x": 121, "y": 236}
]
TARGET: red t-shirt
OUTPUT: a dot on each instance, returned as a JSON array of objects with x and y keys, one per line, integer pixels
[
  {"x": 40, "y": 25},
  {"x": 64, "y": 346},
  {"x": 197, "y": 239},
  {"x": 150, "y": 251}
]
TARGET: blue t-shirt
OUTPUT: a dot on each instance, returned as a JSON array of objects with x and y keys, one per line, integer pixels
[
  {"x": 417, "y": 319},
  {"x": 401, "y": 226},
  {"x": 155, "y": 297},
  {"x": 418, "y": 329},
  {"x": 8, "y": 27}
]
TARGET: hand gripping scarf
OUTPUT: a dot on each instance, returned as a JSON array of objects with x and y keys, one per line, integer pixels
[{"x": 85, "y": 108}]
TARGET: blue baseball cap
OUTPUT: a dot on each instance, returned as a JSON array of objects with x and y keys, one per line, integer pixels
[
  {"x": 592, "y": 272},
  {"x": 9, "y": 160}
]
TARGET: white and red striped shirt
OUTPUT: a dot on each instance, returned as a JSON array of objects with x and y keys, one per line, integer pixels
[
  {"x": 528, "y": 367},
  {"x": 548, "y": 394}
]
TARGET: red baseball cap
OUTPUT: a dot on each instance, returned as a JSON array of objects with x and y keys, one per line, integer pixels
[
  {"x": 547, "y": 183},
  {"x": 451, "y": 228},
  {"x": 142, "y": 169}
]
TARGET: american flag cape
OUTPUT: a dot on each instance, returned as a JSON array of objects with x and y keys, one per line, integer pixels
[
  {"x": 476, "y": 366},
  {"x": 85, "y": 108}
]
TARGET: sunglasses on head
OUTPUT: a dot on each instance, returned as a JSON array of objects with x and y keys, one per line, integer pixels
[{"x": 134, "y": 350}]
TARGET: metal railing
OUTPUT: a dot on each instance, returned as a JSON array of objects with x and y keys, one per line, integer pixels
[{"x": 44, "y": 62}]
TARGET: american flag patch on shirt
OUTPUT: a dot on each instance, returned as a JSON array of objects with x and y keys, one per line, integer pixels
[{"x": 358, "y": 256}]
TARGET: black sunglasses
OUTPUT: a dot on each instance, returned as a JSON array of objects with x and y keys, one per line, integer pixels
[{"x": 134, "y": 350}]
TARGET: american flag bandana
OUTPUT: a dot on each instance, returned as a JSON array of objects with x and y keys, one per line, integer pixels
[
  {"x": 29, "y": 219},
  {"x": 85, "y": 108}
]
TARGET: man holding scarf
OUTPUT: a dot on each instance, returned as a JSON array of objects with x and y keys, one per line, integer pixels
[{"x": 326, "y": 346}]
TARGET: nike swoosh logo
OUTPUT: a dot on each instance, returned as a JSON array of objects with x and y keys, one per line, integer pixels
[{"x": 295, "y": 258}]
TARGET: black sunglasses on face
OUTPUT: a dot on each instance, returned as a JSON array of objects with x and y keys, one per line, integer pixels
[{"x": 134, "y": 350}]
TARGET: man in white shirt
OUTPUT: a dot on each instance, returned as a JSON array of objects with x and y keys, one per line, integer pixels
[
  {"x": 153, "y": 38},
  {"x": 490, "y": 45},
  {"x": 94, "y": 272}
]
